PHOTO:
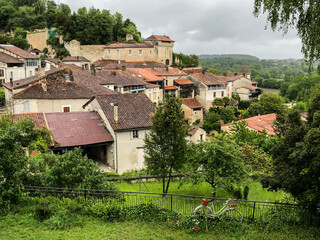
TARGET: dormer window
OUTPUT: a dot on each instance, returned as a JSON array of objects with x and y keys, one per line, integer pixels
[{"x": 130, "y": 52}]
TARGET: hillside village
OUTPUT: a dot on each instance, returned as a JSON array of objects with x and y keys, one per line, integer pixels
[{"x": 106, "y": 106}]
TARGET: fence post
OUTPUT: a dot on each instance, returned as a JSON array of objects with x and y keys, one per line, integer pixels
[
  {"x": 171, "y": 202},
  {"x": 254, "y": 208},
  {"x": 85, "y": 194}
]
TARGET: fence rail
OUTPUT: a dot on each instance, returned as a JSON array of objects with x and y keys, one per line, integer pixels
[{"x": 184, "y": 204}]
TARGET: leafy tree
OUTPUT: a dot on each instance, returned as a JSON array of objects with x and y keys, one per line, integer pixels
[
  {"x": 268, "y": 103},
  {"x": 14, "y": 138},
  {"x": 211, "y": 122},
  {"x": 70, "y": 170},
  {"x": 166, "y": 144},
  {"x": 303, "y": 15},
  {"x": 217, "y": 162}
]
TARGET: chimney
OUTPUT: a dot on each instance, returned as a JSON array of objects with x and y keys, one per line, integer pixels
[
  {"x": 44, "y": 85},
  {"x": 152, "y": 68},
  {"x": 226, "y": 74},
  {"x": 93, "y": 69},
  {"x": 115, "y": 112},
  {"x": 114, "y": 73},
  {"x": 204, "y": 71},
  {"x": 167, "y": 68},
  {"x": 59, "y": 64},
  {"x": 11, "y": 82}
]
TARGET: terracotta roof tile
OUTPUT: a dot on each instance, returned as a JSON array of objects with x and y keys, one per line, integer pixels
[
  {"x": 18, "y": 51},
  {"x": 210, "y": 79},
  {"x": 120, "y": 78},
  {"x": 147, "y": 74},
  {"x": 167, "y": 88},
  {"x": 134, "y": 110},
  {"x": 169, "y": 72},
  {"x": 116, "y": 64},
  {"x": 251, "y": 87},
  {"x": 191, "y": 103},
  {"x": 183, "y": 81},
  {"x": 5, "y": 58},
  {"x": 66, "y": 90},
  {"x": 37, "y": 118},
  {"x": 159, "y": 38},
  {"x": 129, "y": 45},
  {"x": 75, "y": 59}
]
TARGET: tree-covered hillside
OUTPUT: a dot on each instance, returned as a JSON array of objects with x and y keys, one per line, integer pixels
[{"x": 91, "y": 26}]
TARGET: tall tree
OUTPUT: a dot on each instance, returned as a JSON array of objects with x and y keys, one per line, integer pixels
[
  {"x": 166, "y": 144},
  {"x": 303, "y": 15}
]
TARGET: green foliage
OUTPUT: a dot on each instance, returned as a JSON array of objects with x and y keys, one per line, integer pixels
[
  {"x": 2, "y": 96},
  {"x": 184, "y": 61},
  {"x": 211, "y": 123},
  {"x": 303, "y": 15},
  {"x": 300, "y": 106},
  {"x": 166, "y": 144},
  {"x": 246, "y": 193},
  {"x": 268, "y": 103},
  {"x": 69, "y": 170},
  {"x": 217, "y": 162},
  {"x": 14, "y": 137}
]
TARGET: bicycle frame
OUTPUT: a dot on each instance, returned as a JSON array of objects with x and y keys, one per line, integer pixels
[{"x": 221, "y": 211}]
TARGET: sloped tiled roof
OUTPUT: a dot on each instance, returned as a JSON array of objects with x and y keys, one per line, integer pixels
[
  {"x": 147, "y": 74},
  {"x": 167, "y": 88},
  {"x": 120, "y": 78},
  {"x": 210, "y": 79},
  {"x": 66, "y": 90},
  {"x": 260, "y": 123},
  {"x": 30, "y": 80},
  {"x": 18, "y": 51},
  {"x": 134, "y": 110},
  {"x": 37, "y": 118},
  {"x": 183, "y": 82},
  {"x": 75, "y": 59},
  {"x": 169, "y": 72},
  {"x": 5, "y": 58},
  {"x": 116, "y": 64},
  {"x": 77, "y": 129},
  {"x": 129, "y": 45},
  {"x": 70, "y": 129},
  {"x": 159, "y": 38},
  {"x": 191, "y": 103},
  {"x": 251, "y": 87}
]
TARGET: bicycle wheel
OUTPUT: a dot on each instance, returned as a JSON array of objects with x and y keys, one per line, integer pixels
[
  {"x": 232, "y": 215},
  {"x": 203, "y": 212}
]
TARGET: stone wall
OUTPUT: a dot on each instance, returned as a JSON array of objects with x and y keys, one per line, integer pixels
[{"x": 91, "y": 52}]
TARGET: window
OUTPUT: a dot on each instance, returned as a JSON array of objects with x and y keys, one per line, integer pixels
[
  {"x": 109, "y": 51},
  {"x": 214, "y": 94},
  {"x": 66, "y": 108},
  {"x": 1, "y": 73},
  {"x": 130, "y": 52},
  {"x": 26, "y": 106},
  {"x": 222, "y": 94},
  {"x": 150, "y": 51},
  {"x": 166, "y": 82},
  {"x": 32, "y": 62},
  {"x": 11, "y": 75},
  {"x": 30, "y": 73},
  {"x": 201, "y": 137},
  {"x": 135, "y": 134},
  {"x": 118, "y": 52},
  {"x": 140, "y": 51},
  {"x": 67, "y": 76}
]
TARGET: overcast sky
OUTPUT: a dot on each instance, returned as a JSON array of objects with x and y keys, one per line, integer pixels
[{"x": 204, "y": 26}]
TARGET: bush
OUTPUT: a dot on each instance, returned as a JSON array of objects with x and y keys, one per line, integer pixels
[
  {"x": 246, "y": 192},
  {"x": 42, "y": 209}
]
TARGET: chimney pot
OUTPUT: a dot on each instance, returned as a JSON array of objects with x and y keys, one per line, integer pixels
[
  {"x": 114, "y": 73},
  {"x": 59, "y": 64},
  {"x": 115, "y": 112},
  {"x": 44, "y": 86}
]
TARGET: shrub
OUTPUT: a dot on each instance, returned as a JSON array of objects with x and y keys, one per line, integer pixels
[{"x": 42, "y": 209}]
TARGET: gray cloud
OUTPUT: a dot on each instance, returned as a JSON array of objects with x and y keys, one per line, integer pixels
[{"x": 204, "y": 26}]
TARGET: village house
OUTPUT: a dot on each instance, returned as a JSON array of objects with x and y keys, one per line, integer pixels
[
  {"x": 197, "y": 134},
  {"x": 155, "y": 48},
  {"x": 58, "y": 90},
  {"x": 128, "y": 119},
  {"x": 108, "y": 64},
  {"x": 81, "y": 62},
  {"x": 257, "y": 123},
  {"x": 209, "y": 87},
  {"x": 24, "y": 65},
  {"x": 193, "y": 110}
]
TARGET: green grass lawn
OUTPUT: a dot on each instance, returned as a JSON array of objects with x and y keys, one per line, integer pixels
[
  {"x": 24, "y": 226},
  {"x": 256, "y": 192}
]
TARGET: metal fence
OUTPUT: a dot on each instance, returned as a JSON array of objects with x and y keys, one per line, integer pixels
[{"x": 184, "y": 204}]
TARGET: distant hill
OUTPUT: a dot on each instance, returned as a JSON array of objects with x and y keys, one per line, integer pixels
[{"x": 234, "y": 56}]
